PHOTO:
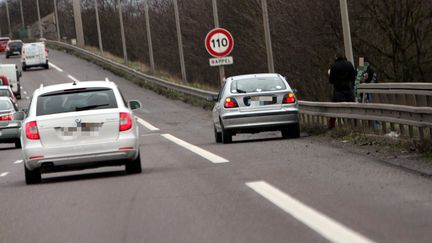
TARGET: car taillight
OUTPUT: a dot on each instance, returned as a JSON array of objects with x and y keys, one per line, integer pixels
[
  {"x": 32, "y": 131},
  {"x": 230, "y": 103},
  {"x": 46, "y": 51},
  {"x": 125, "y": 121},
  {"x": 8, "y": 117},
  {"x": 289, "y": 98}
]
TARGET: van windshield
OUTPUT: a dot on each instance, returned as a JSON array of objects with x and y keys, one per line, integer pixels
[{"x": 75, "y": 100}]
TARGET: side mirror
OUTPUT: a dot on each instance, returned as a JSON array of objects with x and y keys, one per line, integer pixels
[
  {"x": 19, "y": 116},
  {"x": 213, "y": 98},
  {"x": 134, "y": 104}
]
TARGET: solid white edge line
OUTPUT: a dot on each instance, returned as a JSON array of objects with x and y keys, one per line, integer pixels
[
  {"x": 147, "y": 125},
  {"x": 322, "y": 224},
  {"x": 197, "y": 150},
  {"x": 56, "y": 67},
  {"x": 73, "y": 79},
  {"x": 4, "y": 174},
  {"x": 18, "y": 161}
]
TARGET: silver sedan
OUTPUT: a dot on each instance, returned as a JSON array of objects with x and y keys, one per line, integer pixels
[{"x": 255, "y": 103}]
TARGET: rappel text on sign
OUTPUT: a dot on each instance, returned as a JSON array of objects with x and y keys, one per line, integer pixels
[{"x": 220, "y": 61}]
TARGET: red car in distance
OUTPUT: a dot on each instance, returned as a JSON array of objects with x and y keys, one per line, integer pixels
[{"x": 3, "y": 43}]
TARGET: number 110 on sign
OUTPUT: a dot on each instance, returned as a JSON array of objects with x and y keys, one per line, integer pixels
[{"x": 219, "y": 42}]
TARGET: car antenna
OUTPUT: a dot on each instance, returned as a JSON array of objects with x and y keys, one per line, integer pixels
[
  {"x": 75, "y": 82},
  {"x": 107, "y": 80},
  {"x": 41, "y": 86}
]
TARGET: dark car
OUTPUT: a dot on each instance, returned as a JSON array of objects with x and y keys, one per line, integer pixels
[
  {"x": 13, "y": 48},
  {"x": 10, "y": 122}
]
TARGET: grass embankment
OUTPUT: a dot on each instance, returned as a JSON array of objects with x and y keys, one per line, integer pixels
[{"x": 141, "y": 67}]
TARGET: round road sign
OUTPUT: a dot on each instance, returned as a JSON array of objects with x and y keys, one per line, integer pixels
[{"x": 219, "y": 42}]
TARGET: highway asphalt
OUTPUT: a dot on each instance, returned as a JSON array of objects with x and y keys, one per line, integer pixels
[{"x": 261, "y": 188}]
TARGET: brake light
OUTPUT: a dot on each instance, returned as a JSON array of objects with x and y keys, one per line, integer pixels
[
  {"x": 230, "y": 103},
  {"x": 46, "y": 51},
  {"x": 125, "y": 121},
  {"x": 289, "y": 98},
  {"x": 8, "y": 117},
  {"x": 32, "y": 131}
]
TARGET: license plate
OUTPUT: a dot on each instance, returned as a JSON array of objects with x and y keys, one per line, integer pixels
[{"x": 262, "y": 98}]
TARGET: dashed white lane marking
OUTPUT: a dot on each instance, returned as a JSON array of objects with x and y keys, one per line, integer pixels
[
  {"x": 322, "y": 224},
  {"x": 56, "y": 67},
  {"x": 147, "y": 125},
  {"x": 27, "y": 98},
  {"x": 73, "y": 79},
  {"x": 197, "y": 150},
  {"x": 18, "y": 162},
  {"x": 4, "y": 174},
  {"x": 25, "y": 92},
  {"x": 150, "y": 134}
]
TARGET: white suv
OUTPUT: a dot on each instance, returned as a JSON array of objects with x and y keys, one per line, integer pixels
[{"x": 79, "y": 125}]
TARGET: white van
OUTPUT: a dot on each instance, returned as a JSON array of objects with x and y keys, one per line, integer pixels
[
  {"x": 10, "y": 71},
  {"x": 34, "y": 55}
]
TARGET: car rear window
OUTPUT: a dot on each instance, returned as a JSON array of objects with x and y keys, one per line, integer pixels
[
  {"x": 257, "y": 85},
  {"x": 5, "y": 105},
  {"x": 75, "y": 100},
  {"x": 15, "y": 44},
  {"x": 4, "y": 92}
]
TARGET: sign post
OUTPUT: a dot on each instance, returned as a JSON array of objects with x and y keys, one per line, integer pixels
[{"x": 219, "y": 43}]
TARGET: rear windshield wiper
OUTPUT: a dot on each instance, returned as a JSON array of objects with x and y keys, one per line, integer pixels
[
  {"x": 89, "y": 107},
  {"x": 241, "y": 91}
]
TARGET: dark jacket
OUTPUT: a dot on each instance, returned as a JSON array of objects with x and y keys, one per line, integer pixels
[{"x": 342, "y": 75}]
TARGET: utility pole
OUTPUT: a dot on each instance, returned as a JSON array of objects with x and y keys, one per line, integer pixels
[
  {"x": 98, "y": 26},
  {"x": 22, "y": 15},
  {"x": 216, "y": 25},
  {"x": 180, "y": 41},
  {"x": 346, "y": 31},
  {"x": 122, "y": 32},
  {"x": 39, "y": 19},
  {"x": 57, "y": 20},
  {"x": 268, "y": 42},
  {"x": 78, "y": 22},
  {"x": 8, "y": 18},
  {"x": 149, "y": 38}
]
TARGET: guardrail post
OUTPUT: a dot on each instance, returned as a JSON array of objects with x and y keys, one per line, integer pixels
[
  {"x": 411, "y": 131},
  {"x": 180, "y": 41},
  {"x": 402, "y": 130},
  {"x": 57, "y": 20},
  {"x": 421, "y": 133},
  {"x": 98, "y": 26},
  {"x": 149, "y": 38}
]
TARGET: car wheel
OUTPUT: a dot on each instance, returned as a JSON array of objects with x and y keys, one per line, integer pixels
[
  {"x": 32, "y": 176},
  {"x": 218, "y": 135},
  {"x": 7, "y": 56},
  {"x": 226, "y": 135},
  {"x": 18, "y": 96},
  {"x": 18, "y": 144},
  {"x": 134, "y": 166},
  {"x": 24, "y": 68},
  {"x": 47, "y": 66},
  {"x": 291, "y": 131}
]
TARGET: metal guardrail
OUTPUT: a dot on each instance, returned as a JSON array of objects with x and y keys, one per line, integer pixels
[
  {"x": 204, "y": 94},
  {"x": 352, "y": 115},
  {"x": 412, "y": 94}
]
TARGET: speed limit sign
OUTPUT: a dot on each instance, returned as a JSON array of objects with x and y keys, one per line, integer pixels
[{"x": 219, "y": 42}]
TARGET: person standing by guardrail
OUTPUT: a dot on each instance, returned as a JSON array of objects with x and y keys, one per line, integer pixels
[{"x": 342, "y": 76}]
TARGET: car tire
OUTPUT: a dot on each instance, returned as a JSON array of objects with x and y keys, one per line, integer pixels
[
  {"x": 218, "y": 135},
  {"x": 7, "y": 56},
  {"x": 32, "y": 176},
  {"x": 226, "y": 135},
  {"x": 46, "y": 66},
  {"x": 18, "y": 144},
  {"x": 134, "y": 166},
  {"x": 24, "y": 68},
  {"x": 291, "y": 131}
]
